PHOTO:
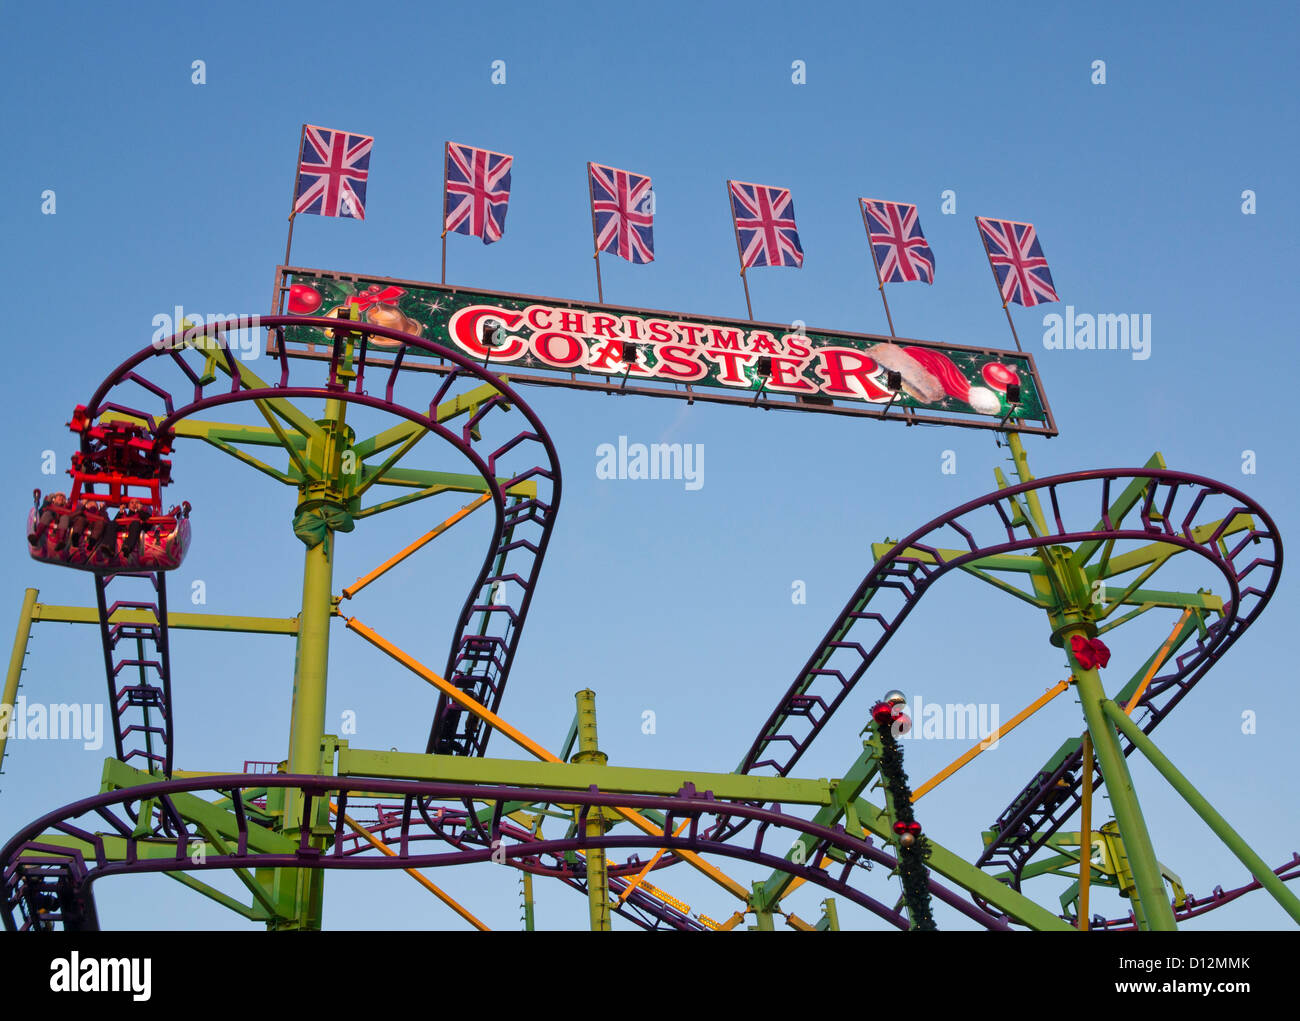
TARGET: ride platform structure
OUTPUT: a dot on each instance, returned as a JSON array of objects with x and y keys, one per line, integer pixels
[{"x": 1090, "y": 549}]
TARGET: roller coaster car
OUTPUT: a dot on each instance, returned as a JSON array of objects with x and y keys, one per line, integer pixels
[{"x": 112, "y": 521}]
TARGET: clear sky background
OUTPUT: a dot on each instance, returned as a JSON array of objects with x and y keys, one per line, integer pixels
[{"x": 171, "y": 193}]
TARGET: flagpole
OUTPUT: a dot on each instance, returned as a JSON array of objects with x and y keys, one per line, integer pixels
[
  {"x": 740, "y": 256},
  {"x": 595, "y": 243},
  {"x": 989, "y": 256},
  {"x": 443, "y": 214},
  {"x": 880, "y": 284},
  {"x": 277, "y": 299}
]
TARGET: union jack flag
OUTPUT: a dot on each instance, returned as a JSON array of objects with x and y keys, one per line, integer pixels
[
  {"x": 478, "y": 190},
  {"x": 899, "y": 247},
  {"x": 333, "y": 168},
  {"x": 623, "y": 207},
  {"x": 765, "y": 227},
  {"x": 1018, "y": 262}
]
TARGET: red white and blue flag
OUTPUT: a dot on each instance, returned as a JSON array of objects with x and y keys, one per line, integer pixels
[
  {"x": 333, "y": 168},
  {"x": 622, "y": 206},
  {"x": 897, "y": 244},
  {"x": 765, "y": 227},
  {"x": 1018, "y": 262},
  {"x": 478, "y": 190}
]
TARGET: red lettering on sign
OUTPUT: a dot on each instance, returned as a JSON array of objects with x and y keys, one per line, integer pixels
[
  {"x": 839, "y": 366},
  {"x": 794, "y": 345},
  {"x": 538, "y": 316},
  {"x": 690, "y": 333},
  {"x": 724, "y": 337},
  {"x": 603, "y": 326},
  {"x": 606, "y": 356},
  {"x": 466, "y": 329},
  {"x": 785, "y": 376},
  {"x": 762, "y": 343},
  {"x": 729, "y": 360},
  {"x": 660, "y": 331},
  {"x": 678, "y": 362},
  {"x": 570, "y": 321},
  {"x": 570, "y": 353}
]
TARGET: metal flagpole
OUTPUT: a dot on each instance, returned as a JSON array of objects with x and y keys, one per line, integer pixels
[
  {"x": 446, "y": 148},
  {"x": 989, "y": 255},
  {"x": 880, "y": 284},
  {"x": 739, "y": 254},
  {"x": 595, "y": 244},
  {"x": 277, "y": 298}
]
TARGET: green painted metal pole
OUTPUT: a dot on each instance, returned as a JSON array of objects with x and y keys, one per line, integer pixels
[
  {"x": 1021, "y": 462},
  {"x": 1230, "y": 837},
  {"x": 597, "y": 868},
  {"x": 300, "y": 892},
  {"x": 527, "y": 880},
  {"x": 16, "y": 667},
  {"x": 763, "y": 920},
  {"x": 1123, "y": 798},
  {"x": 307, "y": 726}
]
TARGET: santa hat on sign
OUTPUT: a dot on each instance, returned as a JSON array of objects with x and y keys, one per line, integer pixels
[{"x": 955, "y": 384}]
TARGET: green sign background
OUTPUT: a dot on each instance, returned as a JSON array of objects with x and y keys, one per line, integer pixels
[{"x": 936, "y": 377}]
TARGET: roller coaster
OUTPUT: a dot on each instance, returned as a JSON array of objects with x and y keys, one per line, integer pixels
[{"x": 1083, "y": 547}]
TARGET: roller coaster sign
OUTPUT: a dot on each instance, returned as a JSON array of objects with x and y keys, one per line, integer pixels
[{"x": 666, "y": 354}]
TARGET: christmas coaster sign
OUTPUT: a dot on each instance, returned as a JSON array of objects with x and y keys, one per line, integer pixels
[{"x": 558, "y": 342}]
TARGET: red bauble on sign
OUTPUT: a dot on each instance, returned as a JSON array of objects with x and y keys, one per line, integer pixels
[
  {"x": 303, "y": 300},
  {"x": 999, "y": 376}
]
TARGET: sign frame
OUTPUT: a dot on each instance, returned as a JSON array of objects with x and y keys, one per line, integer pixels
[{"x": 710, "y": 393}]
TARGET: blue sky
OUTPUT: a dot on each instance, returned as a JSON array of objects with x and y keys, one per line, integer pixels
[{"x": 174, "y": 193}]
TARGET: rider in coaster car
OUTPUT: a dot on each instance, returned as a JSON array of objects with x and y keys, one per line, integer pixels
[
  {"x": 132, "y": 518},
  {"x": 70, "y": 529},
  {"x": 87, "y": 521},
  {"x": 52, "y": 509}
]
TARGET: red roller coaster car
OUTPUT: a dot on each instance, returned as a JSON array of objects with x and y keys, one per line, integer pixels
[{"x": 113, "y": 520}]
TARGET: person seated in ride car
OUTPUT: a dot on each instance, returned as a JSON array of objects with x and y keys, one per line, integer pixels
[
  {"x": 70, "y": 528},
  {"x": 132, "y": 518},
  {"x": 52, "y": 509},
  {"x": 105, "y": 545},
  {"x": 89, "y": 523}
]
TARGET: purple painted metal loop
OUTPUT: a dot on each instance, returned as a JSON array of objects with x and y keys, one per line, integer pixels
[
  {"x": 469, "y": 737},
  {"x": 318, "y": 786}
]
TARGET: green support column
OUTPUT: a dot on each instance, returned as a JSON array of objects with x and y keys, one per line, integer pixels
[
  {"x": 763, "y": 921},
  {"x": 300, "y": 892},
  {"x": 1265, "y": 876},
  {"x": 16, "y": 667},
  {"x": 1123, "y": 798},
  {"x": 526, "y": 878},
  {"x": 597, "y": 871}
]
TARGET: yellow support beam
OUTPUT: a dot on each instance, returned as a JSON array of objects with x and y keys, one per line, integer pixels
[
  {"x": 639, "y": 878},
  {"x": 419, "y": 544},
  {"x": 415, "y": 874},
  {"x": 989, "y": 741},
  {"x": 49, "y": 613},
  {"x": 532, "y": 747},
  {"x": 1156, "y": 663}
]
